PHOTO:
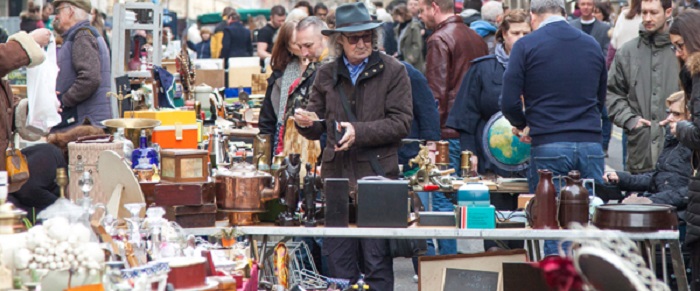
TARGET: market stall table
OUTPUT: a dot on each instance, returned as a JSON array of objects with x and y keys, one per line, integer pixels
[{"x": 648, "y": 240}]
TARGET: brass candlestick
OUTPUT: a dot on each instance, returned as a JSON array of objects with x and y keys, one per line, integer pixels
[{"x": 62, "y": 180}]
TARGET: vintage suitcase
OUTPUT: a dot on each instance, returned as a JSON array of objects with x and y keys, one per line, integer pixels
[
  {"x": 192, "y": 216},
  {"x": 174, "y": 194},
  {"x": 84, "y": 156}
]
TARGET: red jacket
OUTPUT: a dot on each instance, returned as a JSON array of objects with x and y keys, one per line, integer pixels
[{"x": 451, "y": 49}]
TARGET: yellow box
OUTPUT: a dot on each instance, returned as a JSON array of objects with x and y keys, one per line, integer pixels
[{"x": 166, "y": 117}]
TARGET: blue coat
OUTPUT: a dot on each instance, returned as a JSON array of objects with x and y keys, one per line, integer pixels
[
  {"x": 475, "y": 103},
  {"x": 426, "y": 120}
]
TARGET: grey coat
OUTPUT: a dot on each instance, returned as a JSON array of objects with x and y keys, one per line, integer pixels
[
  {"x": 599, "y": 32},
  {"x": 643, "y": 74}
]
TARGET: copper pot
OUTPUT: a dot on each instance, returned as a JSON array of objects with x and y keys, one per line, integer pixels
[{"x": 243, "y": 190}]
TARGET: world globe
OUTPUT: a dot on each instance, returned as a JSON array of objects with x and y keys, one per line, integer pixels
[{"x": 502, "y": 148}]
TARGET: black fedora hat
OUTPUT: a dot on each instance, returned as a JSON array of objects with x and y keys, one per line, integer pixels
[{"x": 352, "y": 17}]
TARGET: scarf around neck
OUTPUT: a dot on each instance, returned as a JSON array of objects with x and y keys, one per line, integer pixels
[
  {"x": 501, "y": 55},
  {"x": 291, "y": 73}
]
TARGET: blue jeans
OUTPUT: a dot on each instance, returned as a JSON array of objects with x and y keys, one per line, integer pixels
[
  {"x": 442, "y": 204},
  {"x": 560, "y": 158},
  {"x": 607, "y": 128}
]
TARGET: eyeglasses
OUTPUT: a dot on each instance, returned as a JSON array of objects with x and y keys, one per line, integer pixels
[
  {"x": 354, "y": 39},
  {"x": 677, "y": 46}
]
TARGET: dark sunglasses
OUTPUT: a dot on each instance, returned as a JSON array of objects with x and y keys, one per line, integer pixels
[
  {"x": 678, "y": 46},
  {"x": 366, "y": 38}
]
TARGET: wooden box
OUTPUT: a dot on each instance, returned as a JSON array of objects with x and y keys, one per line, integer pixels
[
  {"x": 181, "y": 165},
  {"x": 174, "y": 194},
  {"x": 192, "y": 216}
]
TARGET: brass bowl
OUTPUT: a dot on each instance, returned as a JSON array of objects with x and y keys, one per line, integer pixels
[{"x": 132, "y": 127}]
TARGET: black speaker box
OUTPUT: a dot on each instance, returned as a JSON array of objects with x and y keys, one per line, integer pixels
[
  {"x": 382, "y": 203},
  {"x": 337, "y": 202}
]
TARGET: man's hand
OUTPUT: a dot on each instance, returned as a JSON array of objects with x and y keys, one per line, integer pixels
[
  {"x": 611, "y": 177},
  {"x": 642, "y": 122},
  {"x": 524, "y": 134},
  {"x": 41, "y": 36},
  {"x": 634, "y": 199},
  {"x": 671, "y": 124},
  {"x": 348, "y": 139},
  {"x": 302, "y": 119}
]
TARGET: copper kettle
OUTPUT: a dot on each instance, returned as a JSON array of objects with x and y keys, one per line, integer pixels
[{"x": 243, "y": 188}]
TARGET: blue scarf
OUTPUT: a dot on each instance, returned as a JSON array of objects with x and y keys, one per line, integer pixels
[{"x": 501, "y": 55}]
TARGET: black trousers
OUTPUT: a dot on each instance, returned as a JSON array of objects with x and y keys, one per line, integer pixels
[
  {"x": 41, "y": 190},
  {"x": 695, "y": 266},
  {"x": 348, "y": 257}
]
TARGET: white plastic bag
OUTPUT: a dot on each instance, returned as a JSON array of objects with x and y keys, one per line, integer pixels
[{"x": 41, "y": 93}]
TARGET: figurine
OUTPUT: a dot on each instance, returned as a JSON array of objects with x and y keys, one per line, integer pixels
[
  {"x": 309, "y": 198},
  {"x": 290, "y": 191},
  {"x": 425, "y": 167}
]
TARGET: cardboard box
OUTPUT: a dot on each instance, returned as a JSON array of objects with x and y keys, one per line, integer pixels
[
  {"x": 523, "y": 199},
  {"x": 166, "y": 117},
  {"x": 213, "y": 78},
  {"x": 241, "y": 71}
]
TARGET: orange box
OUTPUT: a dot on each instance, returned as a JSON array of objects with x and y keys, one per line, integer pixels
[{"x": 178, "y": 136}]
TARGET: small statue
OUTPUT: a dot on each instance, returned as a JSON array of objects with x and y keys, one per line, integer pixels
[
  {"x": 425, "y": 167},
  {"x": 290, "y": 191},
  {"x": 309, "y": 198}
]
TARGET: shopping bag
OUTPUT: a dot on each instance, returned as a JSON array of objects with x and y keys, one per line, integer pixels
[{"x": 41, "y": 93}]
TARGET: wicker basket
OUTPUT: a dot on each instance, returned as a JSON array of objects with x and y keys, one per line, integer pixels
[{"x": 84, "y": 156}]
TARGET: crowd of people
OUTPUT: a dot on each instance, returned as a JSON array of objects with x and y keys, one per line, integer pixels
[{"x": 348, "y": 83}]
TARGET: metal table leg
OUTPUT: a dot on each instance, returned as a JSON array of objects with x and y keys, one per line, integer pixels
[
  {"x": 263, "y": 259},
  {"x": 538, "y": 252},
  {"x": 663, "y": 262},
  {"x": 678, "y": 265}
]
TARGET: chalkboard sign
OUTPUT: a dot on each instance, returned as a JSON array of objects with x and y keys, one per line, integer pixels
[{"x": 458, "y": 280}]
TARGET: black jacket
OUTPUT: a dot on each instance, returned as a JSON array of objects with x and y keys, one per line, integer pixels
[
  {"x": 668, "y": 183},
  {"x": 267, "y": 122},
  {"x": 689, "y": 135},
  {"x": 236, "y": 42}
]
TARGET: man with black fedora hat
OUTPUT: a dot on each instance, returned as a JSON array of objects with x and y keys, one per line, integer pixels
[{"x": 362, "y": 99}]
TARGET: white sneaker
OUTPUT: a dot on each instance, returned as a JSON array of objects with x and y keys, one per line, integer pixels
[{"x": 415, "y": 278}]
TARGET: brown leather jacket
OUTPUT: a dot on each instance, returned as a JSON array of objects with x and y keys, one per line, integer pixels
[
  {"x": 382, "y": 103},
  {"x": 451, "y": 49},
  {"x": 20, "y": 50}
]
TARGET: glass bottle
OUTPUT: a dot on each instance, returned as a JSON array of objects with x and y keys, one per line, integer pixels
[{"x": 144, "y": 157}]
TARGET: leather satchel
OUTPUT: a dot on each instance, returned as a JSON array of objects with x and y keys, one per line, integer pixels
[{"x": 16, "y": 166}]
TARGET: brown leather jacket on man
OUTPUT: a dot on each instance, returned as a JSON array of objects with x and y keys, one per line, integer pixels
[
  {"x": 451, "y": 48},
  {"x": 20, "y": 50},
  {"x": 381, "y": 101}
]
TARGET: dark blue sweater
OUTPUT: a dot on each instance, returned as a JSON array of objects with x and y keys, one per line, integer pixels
[
  {"x": 560, "y": 71},
  {"x": 426, "y": 120}
]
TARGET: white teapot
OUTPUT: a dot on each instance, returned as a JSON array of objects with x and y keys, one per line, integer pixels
[{"x": 206, "y": 95}]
